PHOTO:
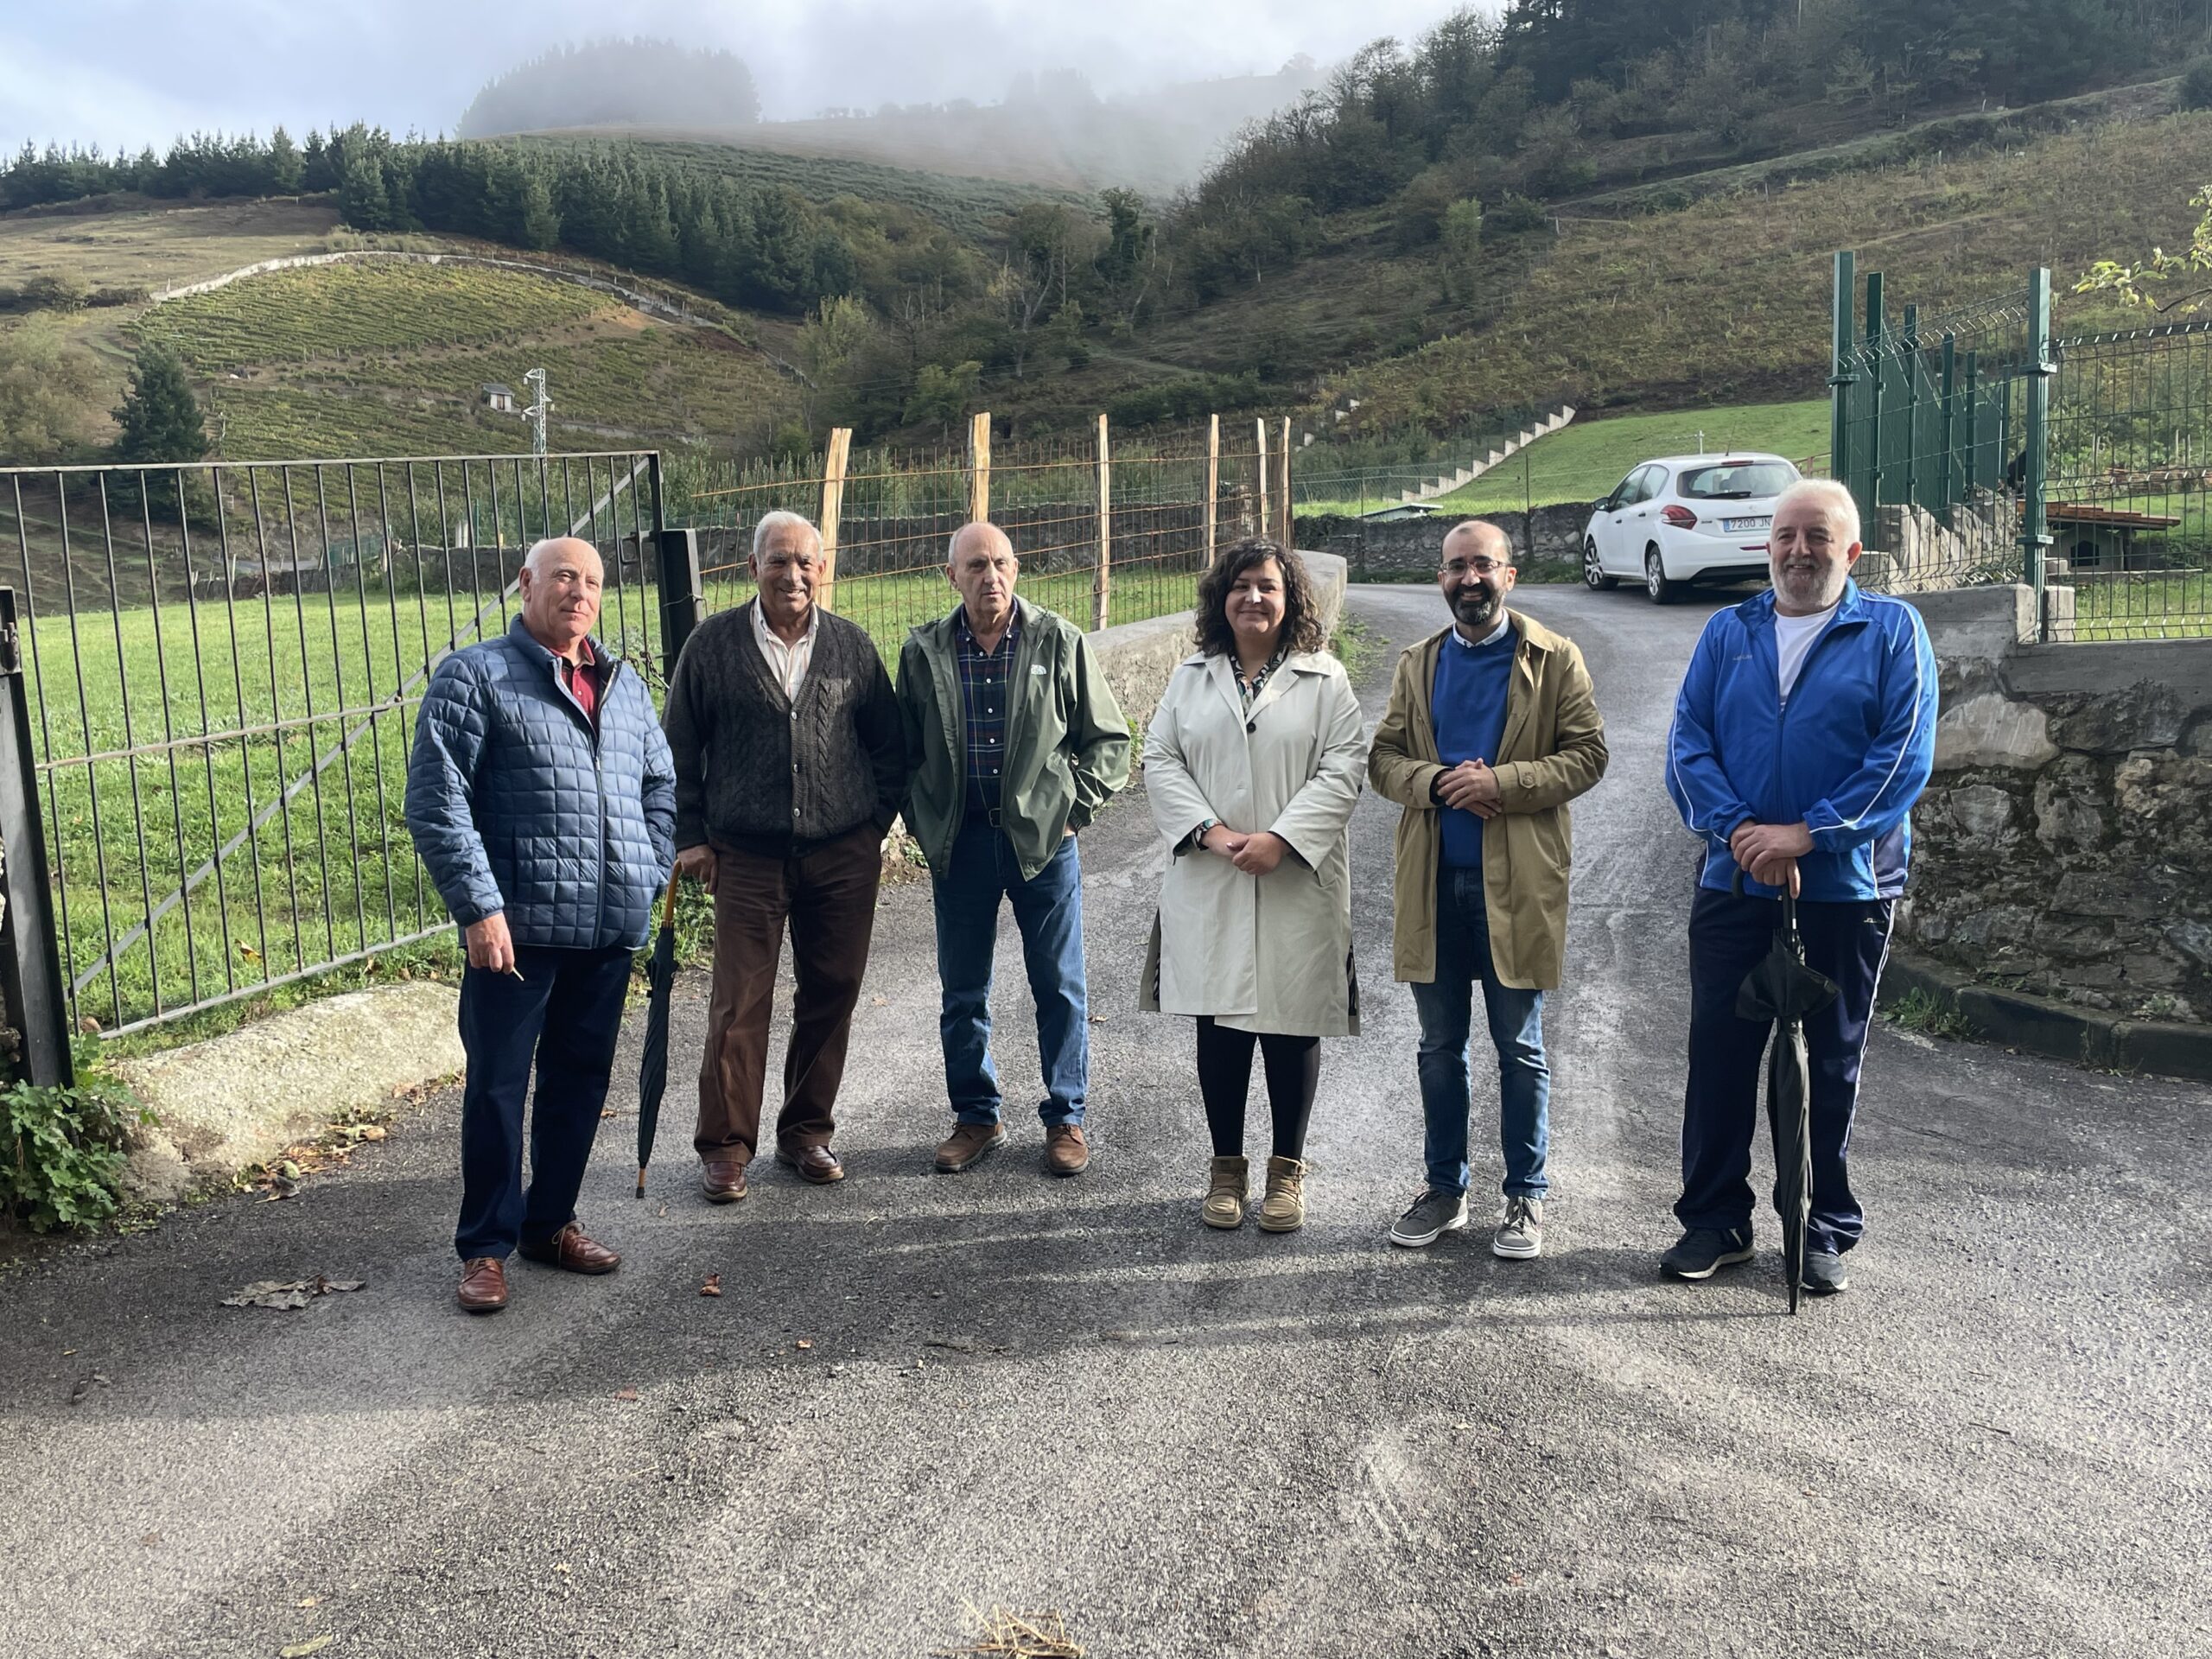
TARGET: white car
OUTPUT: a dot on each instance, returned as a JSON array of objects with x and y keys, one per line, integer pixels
[{"x": 1685, "y": 519}]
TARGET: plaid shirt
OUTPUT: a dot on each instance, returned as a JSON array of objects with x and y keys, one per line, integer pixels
[{"x": 986, "y": 688}]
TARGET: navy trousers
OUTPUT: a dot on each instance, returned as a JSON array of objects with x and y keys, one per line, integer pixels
[
  {"x": 562, "y": 1017},
  {"x": 1728, "y": 937}
]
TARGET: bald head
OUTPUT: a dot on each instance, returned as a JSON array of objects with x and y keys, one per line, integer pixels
[
  {"x": 1473, "y": 536},
  {"x": 560, "y": 583},
  {"x": 983, "y": 567}
]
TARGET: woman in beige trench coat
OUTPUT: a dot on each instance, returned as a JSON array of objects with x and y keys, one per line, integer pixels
[{"x": 1252, "y": 764}]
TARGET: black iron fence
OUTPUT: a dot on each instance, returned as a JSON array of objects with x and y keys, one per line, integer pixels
[{"x": 220, "y": 665}]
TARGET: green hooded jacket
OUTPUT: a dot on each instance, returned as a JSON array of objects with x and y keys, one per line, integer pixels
[{"x": 1067, "y": 746}]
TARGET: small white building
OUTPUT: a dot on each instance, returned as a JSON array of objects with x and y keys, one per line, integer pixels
[{"x": 501, "y": 398}]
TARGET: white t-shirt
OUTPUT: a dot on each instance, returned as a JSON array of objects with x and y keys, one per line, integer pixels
[{"x": 1793, "y": 638}]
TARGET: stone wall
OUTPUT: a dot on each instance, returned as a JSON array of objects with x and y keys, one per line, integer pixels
[
  {"x": 1409, "y": 547},
  {"x": 2064, "y": 846}
]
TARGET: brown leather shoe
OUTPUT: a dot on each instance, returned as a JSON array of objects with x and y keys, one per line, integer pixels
[
  {"x": 816, "y": 1163},
  {"x": 570, "y": 1251},
  {"x": 968, "y": 1143},
  {"x": 483, "y": 1284},
  {"x": 1067, "y": 1153},
  {"x": 723, "y": 1181}
]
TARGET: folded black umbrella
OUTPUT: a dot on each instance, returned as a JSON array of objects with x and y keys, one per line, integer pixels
[
  {"x": 1783, "y": 989},
  {"x": 652, "y": 1063}
]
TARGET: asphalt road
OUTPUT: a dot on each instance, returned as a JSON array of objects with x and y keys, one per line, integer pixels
[{"x": 921, "y": 1396}]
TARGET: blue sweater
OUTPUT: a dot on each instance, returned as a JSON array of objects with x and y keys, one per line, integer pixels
[{"x": 1467, "y": 711}]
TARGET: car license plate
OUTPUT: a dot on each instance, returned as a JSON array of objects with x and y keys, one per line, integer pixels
[{"x": 1733, "y": 525}]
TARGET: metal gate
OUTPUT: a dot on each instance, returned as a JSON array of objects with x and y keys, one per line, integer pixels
[{"x": 220, "y": 665}]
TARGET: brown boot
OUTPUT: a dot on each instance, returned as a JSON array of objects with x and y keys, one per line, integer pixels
[
  {"x": 483, "y": 1284},
  {"x": 1067, "y": 1153},
  {"x": 572, "y": 1252},
  {"x": 967, "y": 1144},
  {"x": 1283, "y": 1209},
  {"x": 1227, "y": 1181}
]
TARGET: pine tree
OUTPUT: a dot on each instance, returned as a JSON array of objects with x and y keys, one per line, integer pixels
[
  {"x": 285, "y": 164},
  {"x": 159, "y": 418},
  {"x": 361, "y": 200}
]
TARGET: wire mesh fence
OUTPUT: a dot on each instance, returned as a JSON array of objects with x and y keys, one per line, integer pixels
[
  {"x": 1982, "y": 448},
  {"x": 1107, "y": 531},
  {"x": 2129, "y": 483},
  {"x": 223, "y": 663}
]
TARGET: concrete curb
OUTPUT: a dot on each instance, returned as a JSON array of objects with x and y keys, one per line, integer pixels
[{"x": 2039, "y": 1025}]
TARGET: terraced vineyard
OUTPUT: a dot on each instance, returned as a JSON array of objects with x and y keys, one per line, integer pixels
[
  {"x": 389, "y": 358},
  {"x": 327, "y": 311}
]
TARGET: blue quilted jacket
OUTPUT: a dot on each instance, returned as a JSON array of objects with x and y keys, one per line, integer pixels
[{"x": 515, "y": 805}]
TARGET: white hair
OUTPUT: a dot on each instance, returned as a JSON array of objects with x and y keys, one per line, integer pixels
[
  {"x": 534, "y": 561},
  {"x": 1841, "y": 508},
  {"x": 771, "y": 522}
]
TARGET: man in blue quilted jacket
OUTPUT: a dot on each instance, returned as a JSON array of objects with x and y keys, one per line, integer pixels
[
  {"x": 1804, "y": 731},
  {"x": 542, "y": 799}
]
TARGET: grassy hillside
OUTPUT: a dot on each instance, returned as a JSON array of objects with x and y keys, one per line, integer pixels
[
  {"x": 373, "y": 359},
  {"x": 1588, "y": 458},
  {"x": 1728, "y": 299},
  {"x": 146, "y": 244}
]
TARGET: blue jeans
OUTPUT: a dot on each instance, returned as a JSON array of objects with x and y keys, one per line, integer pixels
[
  {"x": 561, "y": 1017},
  {"x": 1516, "y": 1027},
  {"x": 1048, "y": 911}
]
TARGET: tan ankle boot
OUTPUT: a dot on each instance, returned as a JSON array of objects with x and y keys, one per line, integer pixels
[
  {"x": 1283, "y": 1209},
  {"x": 1227, "y": 1183}
]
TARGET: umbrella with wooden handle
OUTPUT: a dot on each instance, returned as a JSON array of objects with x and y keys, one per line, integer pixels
[
  {"x": 1783, "y": 989},
  {"x": 652, "y": 1063}
]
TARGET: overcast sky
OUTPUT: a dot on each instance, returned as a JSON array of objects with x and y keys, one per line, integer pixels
[{"x": 134, "y": 71}]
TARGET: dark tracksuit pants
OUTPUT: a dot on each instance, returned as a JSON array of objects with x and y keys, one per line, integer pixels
[
  {"x": 1729, "y": 935},
  {"x": 562, "y": 1017}
]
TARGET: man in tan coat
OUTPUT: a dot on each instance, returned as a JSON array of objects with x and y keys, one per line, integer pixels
[{"x": 1490, "y": 730}]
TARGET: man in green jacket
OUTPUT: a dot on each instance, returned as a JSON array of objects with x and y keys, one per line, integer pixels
[{"x": 1014, "y": 741}]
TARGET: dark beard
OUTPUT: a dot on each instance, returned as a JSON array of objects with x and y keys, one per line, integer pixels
[{"x": 1477, "y": 607}]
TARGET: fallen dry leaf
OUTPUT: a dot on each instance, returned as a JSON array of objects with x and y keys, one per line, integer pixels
[
  {"x": 713, "y": 1287},
  {"x": 803, "y": 1343},
  {"x": 288, "y": 1293},
  {"x": 625, "y": 1393},
  {"x": 301, "y": 1649}
]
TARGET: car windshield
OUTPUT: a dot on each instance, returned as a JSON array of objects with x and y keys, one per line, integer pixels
[{"x": 1736, "y": 481}]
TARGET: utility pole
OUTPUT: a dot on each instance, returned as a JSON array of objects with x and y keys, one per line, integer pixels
[{"x": 538, "y": 409}]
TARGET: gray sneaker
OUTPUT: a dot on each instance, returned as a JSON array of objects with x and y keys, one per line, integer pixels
[
  {"x": 1521, "y": 1233},
  {"x": 1433, "y": 1215}
]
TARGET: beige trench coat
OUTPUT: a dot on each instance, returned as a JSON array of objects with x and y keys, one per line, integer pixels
[
  {"x": 1553, "y": 749},
  {"x": 1269, "y": 953}
]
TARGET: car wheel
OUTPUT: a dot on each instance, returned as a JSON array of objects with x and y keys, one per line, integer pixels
[
  {"x": 1593, "y": 572},
  {"x": 1656, "y": 581}
]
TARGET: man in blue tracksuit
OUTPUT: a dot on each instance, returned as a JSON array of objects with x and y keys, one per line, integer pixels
[{"x": 1804, "y": 731}]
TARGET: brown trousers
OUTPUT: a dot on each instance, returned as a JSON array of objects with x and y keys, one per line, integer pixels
[{"x": 828, "y": 899}]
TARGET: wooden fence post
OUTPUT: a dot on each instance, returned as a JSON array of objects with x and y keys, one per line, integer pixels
[
  {"x": 833, "y": 509},
  {"x": 1213, "y": 480},
  {"x": 979, "y": 468},
  {"x": 1102, "y": 588},
  {"x": 1283, "y": 492},
  {"x": 1260, "y": 523}
]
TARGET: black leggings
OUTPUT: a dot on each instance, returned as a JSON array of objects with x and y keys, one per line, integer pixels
[{"x": 1293, "y": 1069}]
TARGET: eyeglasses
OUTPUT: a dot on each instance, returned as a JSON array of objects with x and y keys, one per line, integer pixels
[{"x": 1479, "y": 567}]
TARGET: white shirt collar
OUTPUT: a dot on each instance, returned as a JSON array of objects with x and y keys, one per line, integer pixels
[
  {"x": 1504, "y": 622},
  {"x": 764, "y": 633}
]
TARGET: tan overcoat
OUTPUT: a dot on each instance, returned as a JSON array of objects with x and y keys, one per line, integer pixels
[{"x": 1553, "y": 749}]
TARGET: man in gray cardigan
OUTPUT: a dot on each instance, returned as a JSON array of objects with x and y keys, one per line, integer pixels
[{"x": 789, "y": 765}]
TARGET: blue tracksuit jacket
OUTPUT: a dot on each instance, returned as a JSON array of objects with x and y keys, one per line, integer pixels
[{"x": 1847, "y": 756}]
